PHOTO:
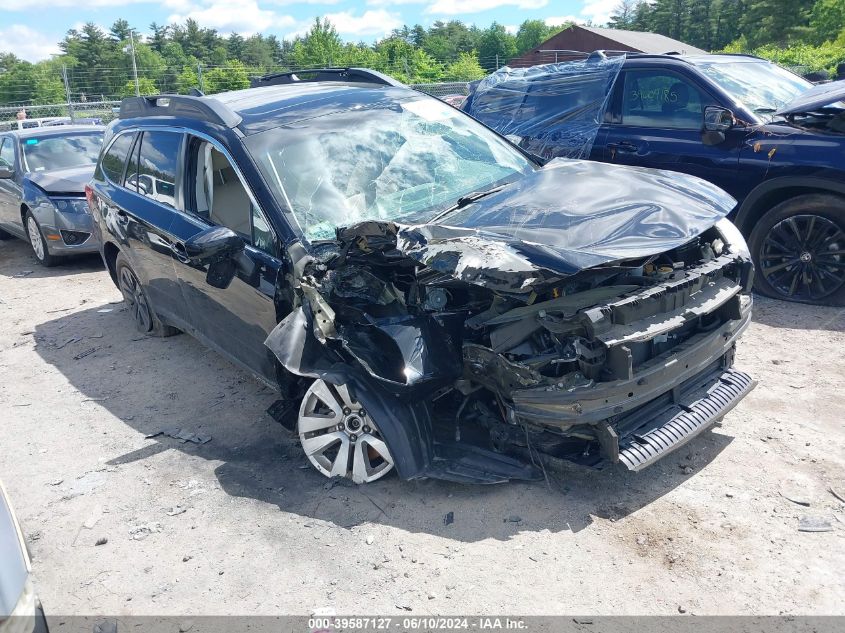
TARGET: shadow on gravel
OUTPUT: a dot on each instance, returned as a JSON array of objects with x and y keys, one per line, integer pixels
[
  {"x": 784, "y": 314},
  {"x": 152, "y": 384},
  {"x": 17, "y": 260}
]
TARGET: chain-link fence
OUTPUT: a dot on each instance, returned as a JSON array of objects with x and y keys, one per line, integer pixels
[{"x": 83, "y": 102}]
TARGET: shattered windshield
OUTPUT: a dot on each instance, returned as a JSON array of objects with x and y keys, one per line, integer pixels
[
  {"x": 405, "y": 161},
  {"x": 763, "y": 87}
]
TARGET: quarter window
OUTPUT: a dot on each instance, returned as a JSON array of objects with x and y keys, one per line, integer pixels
[
  {"x": 156, "y": 167},
  {"x": 661, "y": 100},
  {"x": 114, "y": 160},
  {"x": 7, "y": 154}
]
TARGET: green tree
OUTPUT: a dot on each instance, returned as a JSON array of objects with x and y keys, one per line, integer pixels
[
  {"x": 146, "y": 86},
  {"x": 465, "y": 68},
  {"x": 232, "y": 76},
  {"x": 827, "y": 20},
  {"x": 495, "y": 47}
]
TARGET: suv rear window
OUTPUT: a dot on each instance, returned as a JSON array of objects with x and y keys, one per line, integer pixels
[{"x": 115, "y": 159}]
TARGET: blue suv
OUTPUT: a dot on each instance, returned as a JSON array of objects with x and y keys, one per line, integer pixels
[{"x": 770, "y": 139}]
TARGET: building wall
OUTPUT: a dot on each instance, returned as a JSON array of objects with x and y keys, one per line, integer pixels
[{"x": 571, "y": 39}]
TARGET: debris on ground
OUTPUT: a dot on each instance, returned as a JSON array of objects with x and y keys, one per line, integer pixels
[
  {"x": 72, "y": 339},
  {"x": 449, "y": 519},
  {"x": 814, "y": 524},
  {"x": 23, "y": 273},
  {"x": 183, "y": 435},
  {"x": 794, "y": 498},
  {"x": 370, "y": 539},
  {"x": 101, "y": 541},
  {"x": 172, "y": 512},
  {"x": 513, "y": 519},
  {"x": 837, "y": 494},
  {"x": 140, "y": 532},
  {"x": 56, "y": 482},
  {"x": 87, "y": 352}
]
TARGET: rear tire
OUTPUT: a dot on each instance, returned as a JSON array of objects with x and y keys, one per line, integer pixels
[
  {"x": 798, "y": 249},
  {"x": 38, "y": 242},
  {"x": 145, "y": 318}
]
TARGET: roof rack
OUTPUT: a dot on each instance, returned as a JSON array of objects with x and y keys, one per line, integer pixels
[
  {"x": 191, "y": 107},
  {"x": 362, "y": 75}
]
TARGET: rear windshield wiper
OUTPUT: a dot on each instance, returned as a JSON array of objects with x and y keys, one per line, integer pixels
[{"x": 466, "y": 200}]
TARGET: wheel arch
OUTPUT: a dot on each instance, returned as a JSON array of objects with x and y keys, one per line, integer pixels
[
  {"x": 773, "y": 192},
  {"x": 110, "y": 253}
]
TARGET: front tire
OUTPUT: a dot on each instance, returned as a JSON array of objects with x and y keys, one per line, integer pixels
[
  {"x": 798, "y": 249},
  {"x": 37, "y": 242},
  {"x": 145, "y": 318}
]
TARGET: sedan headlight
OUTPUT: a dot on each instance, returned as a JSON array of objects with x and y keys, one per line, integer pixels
[
  {"x": 71, "y": 205},
  {"x": 733, "y": 238}
]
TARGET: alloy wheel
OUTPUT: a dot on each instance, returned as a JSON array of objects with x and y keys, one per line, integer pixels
[
  {"x": 803, "y": 257},
  {"x": 135, "y": 299},
  {"x": 339, "y": 437},
  {"x": 35, "y": 238}
]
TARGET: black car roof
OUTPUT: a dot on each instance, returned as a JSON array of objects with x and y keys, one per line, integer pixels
[
  {"x": 55, "y": 130},
  {"x": 264, "y": 108}
]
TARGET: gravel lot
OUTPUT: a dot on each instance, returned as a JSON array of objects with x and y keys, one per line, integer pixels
[{"x": 240, "y": 524}]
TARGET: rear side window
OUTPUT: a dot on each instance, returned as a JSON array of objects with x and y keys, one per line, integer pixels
[
  {"x": 115, "y": 159},
  {"x": 156, "y": 167},
  {"x": 660, "y": 99}
]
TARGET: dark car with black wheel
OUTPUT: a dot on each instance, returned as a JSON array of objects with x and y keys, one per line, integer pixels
[
  {"x": 416, "y": 288},
  {"x": 43, "y": 173},
  {"x": 771, "y": 139}
]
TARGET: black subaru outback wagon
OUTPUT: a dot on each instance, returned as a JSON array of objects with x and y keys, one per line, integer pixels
[{"x": 423, "y": 294}]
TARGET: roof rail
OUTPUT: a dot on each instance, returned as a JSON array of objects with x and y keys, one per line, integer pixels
[
  {"x": 363, "y": 75},
  {"x": 191, "y": 107}
]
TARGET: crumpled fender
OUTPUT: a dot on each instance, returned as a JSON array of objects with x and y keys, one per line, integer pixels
[{"x": 405, "y": 423}]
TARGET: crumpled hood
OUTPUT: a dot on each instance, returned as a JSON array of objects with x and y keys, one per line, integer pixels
[
  {"x": 72, "y": 180},
  {"x": 564, "y": 218},
  {"x": 815, "y": 98}
]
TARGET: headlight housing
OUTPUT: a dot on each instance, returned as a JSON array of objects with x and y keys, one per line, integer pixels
[
  {"x": 71, "y": 205},
  {"x": 733, "y": 238}
]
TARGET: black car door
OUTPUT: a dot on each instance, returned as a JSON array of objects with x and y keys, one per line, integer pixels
[
  {"x": 237, "y": 319},
  {"x": 657, "y": 121},
  {"x": 10, "y": 188},
  {"x": 140, "y": 216}
]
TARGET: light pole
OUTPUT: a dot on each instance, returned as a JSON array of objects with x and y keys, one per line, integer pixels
[{"x": 134, "y": 64}]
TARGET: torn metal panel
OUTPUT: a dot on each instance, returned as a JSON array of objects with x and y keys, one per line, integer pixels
[{"x": 551, "y": 109}]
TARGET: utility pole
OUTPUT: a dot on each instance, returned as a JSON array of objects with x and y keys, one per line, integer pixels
[
  {"x": 67, "y": 93},
  {"x": 134, "y": 64},
  {"x": 199, "y": 77}
]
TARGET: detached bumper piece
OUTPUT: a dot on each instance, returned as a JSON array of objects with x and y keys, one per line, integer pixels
[{"x": 696, "y": 411}]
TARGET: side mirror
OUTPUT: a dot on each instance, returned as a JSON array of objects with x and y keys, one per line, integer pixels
[
  {"x": 6, "y": 173},
  {"x": 218, "y": 247},
  {"x": 718, "y": 119}
]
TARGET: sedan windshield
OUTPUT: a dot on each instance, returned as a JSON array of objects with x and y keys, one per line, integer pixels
[
  {"x": 761, "y": 86},
  {"x": 403, "y": 161},
  {"x": 61, "y": 152}
]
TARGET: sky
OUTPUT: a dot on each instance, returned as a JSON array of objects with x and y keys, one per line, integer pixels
[{"x": 31, "y": 28}]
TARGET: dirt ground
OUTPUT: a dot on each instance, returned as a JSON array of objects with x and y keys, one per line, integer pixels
[{"x": 242, "y": 525}]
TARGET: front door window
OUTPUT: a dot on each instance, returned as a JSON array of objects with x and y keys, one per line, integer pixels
[{"x": 661, "y": 99}]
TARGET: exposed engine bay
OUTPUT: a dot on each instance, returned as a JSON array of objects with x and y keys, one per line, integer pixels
[{"x": 512, "y": 361}]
